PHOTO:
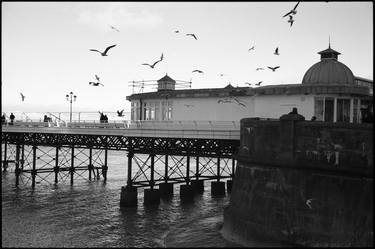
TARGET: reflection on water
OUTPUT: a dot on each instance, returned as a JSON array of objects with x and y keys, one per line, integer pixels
[{"x": 88, "y": 214}]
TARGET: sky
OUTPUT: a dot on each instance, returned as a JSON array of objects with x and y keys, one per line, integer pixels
[{"x": 45, "y": 47}]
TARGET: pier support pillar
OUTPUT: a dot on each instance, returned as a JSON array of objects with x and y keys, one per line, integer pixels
[
  {"x": 129, "y": 196},
  {"x": 166, "y": 189},
  {"x": 105, "y": 166},
  {"x": 186, "y": 192},
  {"x": 18, "y": 170},
  {"x": 56, "y": 168},
  {"x": 151, "y": 196},
  {"x": 5, "y": 161},
  {"x": 217, "y": 188},
  {"x": 198, "y": 186},
  {"x": 229, "y": 186}
]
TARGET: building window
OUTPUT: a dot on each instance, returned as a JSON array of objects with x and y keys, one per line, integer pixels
[
  {"x": 328, "y": 109},
  {"x": 166, "y": 109},
  {"x": 343, "y": 110},
  {"x": 355, "y": 111},
  {"x": 319, "y": 109}
]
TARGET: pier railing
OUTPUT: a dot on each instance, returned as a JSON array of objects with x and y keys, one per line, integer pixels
[{"x": 144, "y": 128}]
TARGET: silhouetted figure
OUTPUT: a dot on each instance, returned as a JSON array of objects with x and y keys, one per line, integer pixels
[
  {"x": 313, "y": 118},
  {"x": 102, "y": 118},
  {"x": 3, "y": 119},
  {"x": 367, "y": 116},
  {"x": 293, "y": 115},
  {"x": 105, "y": 118},
  {"x": 12, "y": 117},
  {"x": 45, "y": 118}
]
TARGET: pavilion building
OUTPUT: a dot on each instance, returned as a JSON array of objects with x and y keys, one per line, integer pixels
[{"x": 329, "y": 91}]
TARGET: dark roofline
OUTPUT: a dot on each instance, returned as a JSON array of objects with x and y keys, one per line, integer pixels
[
  {"x": 363, "y": 79},
  {"x": 285, "y": 89}
]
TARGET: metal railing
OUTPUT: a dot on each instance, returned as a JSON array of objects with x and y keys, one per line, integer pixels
[{"x": 134, "y": 124}]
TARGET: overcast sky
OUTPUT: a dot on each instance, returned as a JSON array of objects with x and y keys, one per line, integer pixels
[{"x": 45, "y": 47}]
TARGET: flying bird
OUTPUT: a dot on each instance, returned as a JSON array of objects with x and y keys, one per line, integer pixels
[
  {"x": 153, "y": 65},
  {"x": 239, "y": 102},
  {"x": 309, "y": 201},
  {"x": 222, "y": 74},
  {"x": 114, "y": 28},
  {"x": 259, "y": 68},
  {"x": 273, "y": 68},
  {"x": 197, "y": 71},
  {"x": 177, "y": 31},
  {"x": 120, "y": 113},
  {"x": 193, "y": 36},
  {"x": 293, "y": 11},
  {"x": 22, "y": 96},
  {"x": 276, "y": 51},
  {"x": 105, "y": 51},
  {"x": 248, "y": 83},
  {"x": 252, "y": 48},
  {"x": 258, "y": 84},
  {"x": 291, "y": 20},
  {"x": 97, "y": 77},
  {"x": 95, "y": 83}
]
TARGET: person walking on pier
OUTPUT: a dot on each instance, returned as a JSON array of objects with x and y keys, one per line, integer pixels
[
  {"x": 12, "y": 117},
  {"x": 3, "y": 119}
]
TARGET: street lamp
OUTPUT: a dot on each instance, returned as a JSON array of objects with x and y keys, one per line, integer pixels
[{"x": 71, "y": 99}]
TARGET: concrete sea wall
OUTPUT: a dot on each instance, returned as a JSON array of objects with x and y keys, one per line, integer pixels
[{"x": 301, "y": 182}]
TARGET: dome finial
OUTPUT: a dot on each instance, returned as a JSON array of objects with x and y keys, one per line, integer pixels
[{"x": 329, "y": 41}]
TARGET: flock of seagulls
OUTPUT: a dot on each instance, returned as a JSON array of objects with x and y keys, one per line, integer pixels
[{"x": 291, "y": 13}]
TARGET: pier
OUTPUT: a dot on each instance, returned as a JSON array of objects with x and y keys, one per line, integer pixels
[{"x": 162, "y": 153}]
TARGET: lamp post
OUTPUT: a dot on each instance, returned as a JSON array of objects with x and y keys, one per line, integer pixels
[{"x": 71, "y": 99}]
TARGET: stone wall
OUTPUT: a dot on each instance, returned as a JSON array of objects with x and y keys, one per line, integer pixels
[{"x": 307, "y": 183}]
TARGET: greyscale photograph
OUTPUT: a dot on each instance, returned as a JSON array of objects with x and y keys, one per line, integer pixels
[{"x": 187, "y": 124}]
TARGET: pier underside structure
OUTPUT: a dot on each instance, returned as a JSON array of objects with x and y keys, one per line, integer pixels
[{"x": 57, "y": 157}]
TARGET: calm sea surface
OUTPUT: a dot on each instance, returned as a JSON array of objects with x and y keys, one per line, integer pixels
[{"x": 88, "y": 214}]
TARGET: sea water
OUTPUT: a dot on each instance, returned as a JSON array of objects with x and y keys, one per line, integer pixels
[{"x": 88, "y": 214}]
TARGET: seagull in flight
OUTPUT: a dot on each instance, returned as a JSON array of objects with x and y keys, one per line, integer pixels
[
  {"x": 197, "y": 71},
  {"x": 22, "y": 96},
  {"x": 248, "y": 83},
  {"x": 177, "y": 31},
  {"x": 258, "y": 84},
  {"x": 120, "y": 113},
  {"x": 259, "y": 68},
  {"x": 114, "y": 28},
  {"x": 293, "y": 11},
  {"x": 193, "y": 36},
  {"x": 308, "y": 202},
  {"x": 252, "y": 48},
  {"x": 153, "y": 65},
  {"x": 239, "y": 102},
  {"x": 105, "y": 51},
  {"x": 276, "y": 51},
  {"x": 291, "y": 20},
  {"x": 97, "y": 78},
  {"x": 273, "y": 68},
  {"x": 95, "y": 83}
]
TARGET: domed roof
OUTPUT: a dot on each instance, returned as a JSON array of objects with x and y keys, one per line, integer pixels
[{"x": 328, "y": 70}]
